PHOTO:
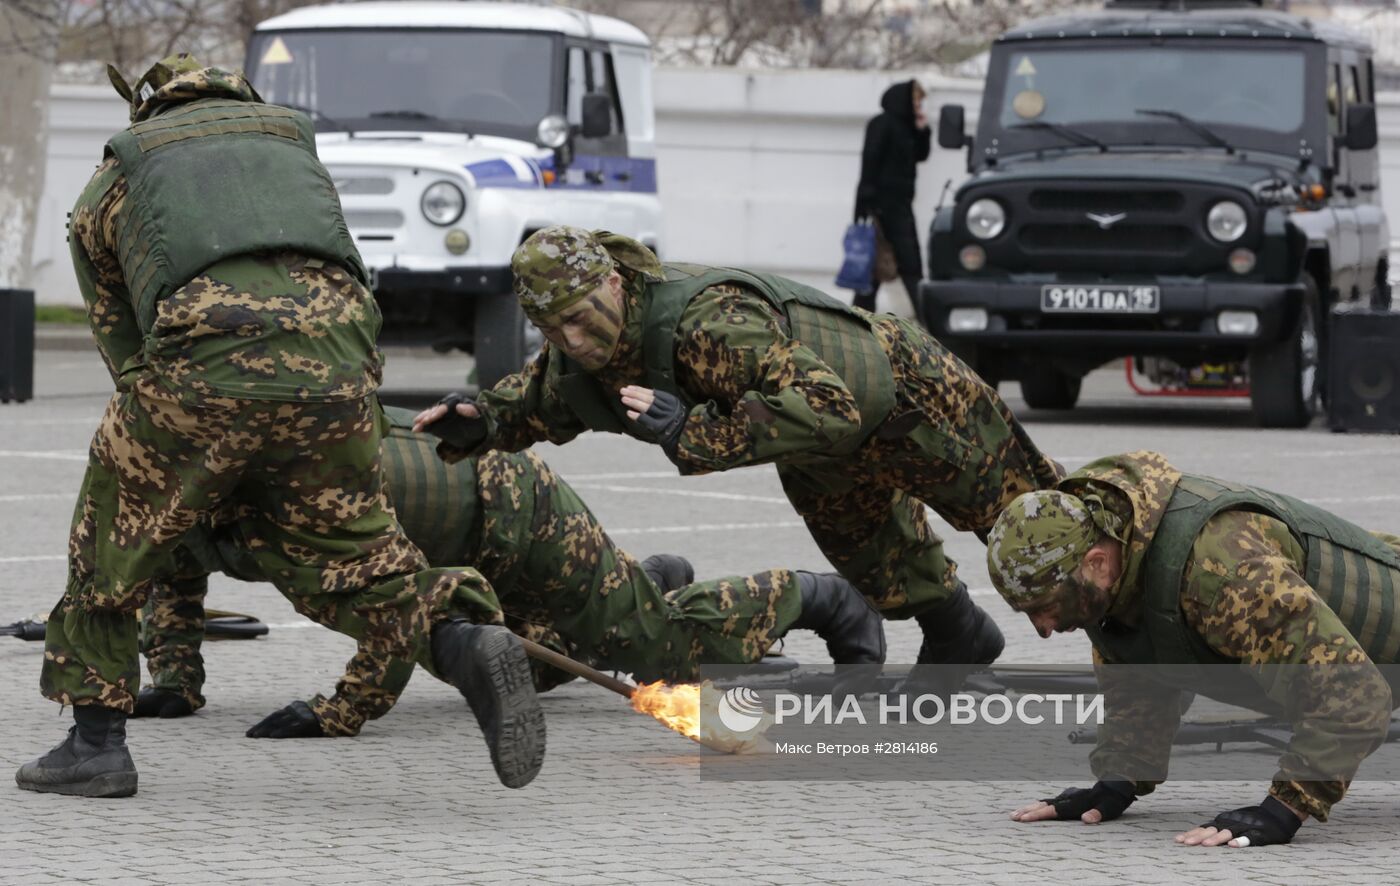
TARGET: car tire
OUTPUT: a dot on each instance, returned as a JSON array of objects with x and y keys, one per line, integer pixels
[
  {"x": 1285, "y": 378},
  {"x": 504, "y": 341},
  {"x": 1050, "y": 389},
  {"x": 985, "y": 368}
]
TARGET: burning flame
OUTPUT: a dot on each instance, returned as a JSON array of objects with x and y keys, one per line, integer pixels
[{"x": 678, "y": 707}]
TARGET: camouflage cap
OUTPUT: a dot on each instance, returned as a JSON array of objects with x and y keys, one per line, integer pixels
[
  {"x": 1037, "y": 543},
  {"x": 161, "y": 73},
  {"x": 557, "y": 266}
]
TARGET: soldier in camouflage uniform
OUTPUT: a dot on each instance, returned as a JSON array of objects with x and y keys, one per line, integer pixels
[
  {"x": 230, "y": 306},
  {"x": 1295, "y": 604},
  {"x": 558, "y": 576},
  {"x": 867, "y": 418}
]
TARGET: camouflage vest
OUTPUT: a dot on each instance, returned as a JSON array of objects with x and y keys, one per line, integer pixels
[
  {"x": 216, "y": 178},
  {"x": 832, "y": 330},
  {"x": 436, "y": 502},
  {"x": 1356, "y": 575}
]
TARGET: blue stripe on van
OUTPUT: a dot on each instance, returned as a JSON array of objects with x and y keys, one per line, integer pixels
[
  {"x": 619, "y": 174},
  {"x": 501, "y": 174}
]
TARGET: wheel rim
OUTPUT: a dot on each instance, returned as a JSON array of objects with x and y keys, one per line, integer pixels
[{"x": 1308, "y": 349}]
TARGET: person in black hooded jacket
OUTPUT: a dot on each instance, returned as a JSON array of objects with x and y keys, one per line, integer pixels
[{"x": 896, "y": 140}]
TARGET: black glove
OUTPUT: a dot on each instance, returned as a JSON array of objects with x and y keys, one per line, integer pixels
[
  {"x": 1267, "y": 824},
  {"x": 163, "y": 703},
  {"x": 1108, "y": 797},
  {"x": 665, "y": 419},
  {"x": 455, "y": 428},
  {"x": 294, "y": 721}
]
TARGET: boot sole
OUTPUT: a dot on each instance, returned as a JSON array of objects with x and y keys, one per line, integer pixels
[
  {"x": 517, "y": 750},
  {"x": 112, "y": 785}
]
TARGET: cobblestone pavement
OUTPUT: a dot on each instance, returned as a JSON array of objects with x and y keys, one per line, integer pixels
[{"x": 620, "y": 799}]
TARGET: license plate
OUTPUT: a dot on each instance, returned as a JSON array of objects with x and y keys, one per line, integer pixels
[{"x": 1100, "y": 299}]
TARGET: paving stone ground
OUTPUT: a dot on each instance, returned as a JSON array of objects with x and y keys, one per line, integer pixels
[{"x": 620, "y": 799}]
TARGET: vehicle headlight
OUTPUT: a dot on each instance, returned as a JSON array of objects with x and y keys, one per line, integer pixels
[
  {"x": 553, "y": 131},
  {"x": 1226, "y": 221},
  {"x": 443, "y": 203},
  {"x": 986, "y": 219}
]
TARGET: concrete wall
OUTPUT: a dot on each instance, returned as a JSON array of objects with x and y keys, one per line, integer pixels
[
  {"x": 757, "y": 168},
  {"x": 81, "y": 119}
]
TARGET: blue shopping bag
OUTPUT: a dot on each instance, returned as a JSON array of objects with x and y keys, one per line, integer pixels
[{"x": 858, "y": 269}]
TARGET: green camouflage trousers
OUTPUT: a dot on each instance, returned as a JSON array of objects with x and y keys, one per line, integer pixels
[
  {"x": 561, "y": 580},
  {"x": 302, "y": 479},
  {"x": 951, "y": 443},
  {"x": 560, "y": 570}
]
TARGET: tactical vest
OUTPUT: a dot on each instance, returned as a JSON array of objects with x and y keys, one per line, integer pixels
[
  {"x": 437, "y": 503},
  {"x": 1356, "y": 575},
  {"x": 834, "y": 331},
  {"x": 217, "y": 178}
]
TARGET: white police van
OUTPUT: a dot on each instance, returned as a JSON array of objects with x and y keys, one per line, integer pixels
[{"x": 454, "y": 130}]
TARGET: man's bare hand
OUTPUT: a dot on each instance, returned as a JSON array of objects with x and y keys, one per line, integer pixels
[
  {"x": 1209, "y": 836},
  {"x": 438, "y": 410},
  {"x": 1269, "y": 824},
  {"x": 637, "y": 400},
  {"x": 1043, "y": 811}
]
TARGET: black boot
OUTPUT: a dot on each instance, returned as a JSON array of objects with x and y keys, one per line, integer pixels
[
  {"x": 669, "y": 571},
  {"x": 165, "y": 703},
  {"x": 91, "y": 762},
  {"x": 958, "y": 637},
  {"x": 489, "y": 667},
  {"x": 831, "y": 606}
]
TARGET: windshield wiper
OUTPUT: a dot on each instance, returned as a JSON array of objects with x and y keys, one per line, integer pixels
[
  {"x": 1065, "y": 132},
  {"x": 1198, "y": 128},
  {"x": 316, "y": 115}
]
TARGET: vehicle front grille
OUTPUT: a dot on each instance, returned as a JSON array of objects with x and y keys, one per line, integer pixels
[
  {"x": 364, "y": 184},
  {"x": 1104, "y": 201},
  {"x": 1150, "y": 239},
  {"x": 1100, "y": 226},
  {"x": 375, "y": 219}
]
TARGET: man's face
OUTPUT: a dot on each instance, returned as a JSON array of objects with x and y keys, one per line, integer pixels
[
  {"x": 1077, "y": 603},
  {"x": 589, "y": 329}
]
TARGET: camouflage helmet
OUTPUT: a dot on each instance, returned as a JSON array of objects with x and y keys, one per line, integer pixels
[
  {"x": 1037, "y": 543},
  {"x": 161, "y": 73},
  {"x": 557, "y": 266}
]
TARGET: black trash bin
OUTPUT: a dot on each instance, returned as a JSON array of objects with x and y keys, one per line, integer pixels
[{"x": 16, "y": 345}]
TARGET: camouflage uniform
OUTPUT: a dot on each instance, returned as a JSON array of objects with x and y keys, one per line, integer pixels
[
  {"x": 559, "y": 577},
  {"x": 762, "y": 395},
  {"x": 246, "y": 393},
  {"x": 1244, "y": 597}
]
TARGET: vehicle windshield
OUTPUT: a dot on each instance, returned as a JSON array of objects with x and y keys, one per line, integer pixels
[
  {"x": 489, "y": 82},
  {"x": 1148, "y": 95}
]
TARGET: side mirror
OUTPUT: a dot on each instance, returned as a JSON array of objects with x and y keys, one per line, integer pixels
[
  {"x": 1361, "y": 127},
  {"x": 597, "y": 116},
  {"x": 951, "y": 127}
]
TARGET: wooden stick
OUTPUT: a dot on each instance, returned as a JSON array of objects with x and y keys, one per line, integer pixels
[{"x": 578, "y": 669}]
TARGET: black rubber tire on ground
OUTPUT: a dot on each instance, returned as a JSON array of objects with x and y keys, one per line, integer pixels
[
  {"x": 1285, "y": 378},
  {"x": 988, "y": 371},
  {"x": 504, "y": 340},
  {"x": 986, "y": 368},
  {"x": 1050, "y": 389}
]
